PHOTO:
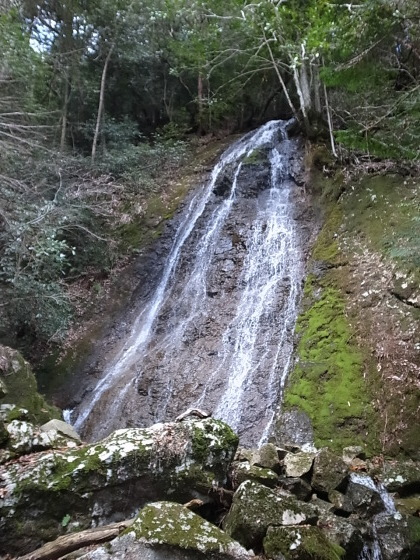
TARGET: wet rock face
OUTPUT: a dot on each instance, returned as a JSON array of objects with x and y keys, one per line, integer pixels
[
  {"x": 108, "y": 481},
  {"x": 222, "y": 337}
]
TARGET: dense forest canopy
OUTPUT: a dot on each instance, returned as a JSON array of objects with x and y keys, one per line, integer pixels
[{"x": 96, "y": 96}]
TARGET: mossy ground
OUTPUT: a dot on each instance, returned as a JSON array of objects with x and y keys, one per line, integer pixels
[
  {"x": 354, "y": 373},
  {"x": 327, "y": 381}
]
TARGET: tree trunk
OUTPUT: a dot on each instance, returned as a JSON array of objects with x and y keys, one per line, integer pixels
[
  {"x": 75, "y": 541},
  {"x": 64, "y": 112},
  {"x": 101, "y": 103},
  {"x": 200, "y": 102}
]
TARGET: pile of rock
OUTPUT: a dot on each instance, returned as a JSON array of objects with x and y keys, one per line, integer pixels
[{"x": 296, "y": 504}]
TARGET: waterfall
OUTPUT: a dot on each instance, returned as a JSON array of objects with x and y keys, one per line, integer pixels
[
  {"x": 218, "y": 330},
  {"x": 372, "y": 550}
]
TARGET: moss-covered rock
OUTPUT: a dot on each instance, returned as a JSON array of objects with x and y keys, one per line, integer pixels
[
  {"x": 242, "y": 471},
  {"x": 401, "y": 476},
  {"x": 268, "y": 457},
  {"x": 347, "y": 533},
  {"x": 408, "y": 506},
  {"x": 300, "y": 543},
  {"x": 20, "y": 387},
  {"x": 169, "y": 531},
  {"x": 165, "y": 523},
  {"x": 110, "y": 480},
  {"x": 256, "y": 507}
]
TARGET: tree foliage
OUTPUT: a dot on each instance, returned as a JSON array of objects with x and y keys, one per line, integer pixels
[{"x": 126, "y": 80}]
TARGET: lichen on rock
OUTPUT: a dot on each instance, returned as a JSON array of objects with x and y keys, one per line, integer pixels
[{"x": 108, "y": 481}]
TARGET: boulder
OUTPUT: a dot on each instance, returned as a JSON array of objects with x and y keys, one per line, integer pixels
[
  {"x": 108, "y": 481},
  {"x": 62, "y": 428},
  {"x": 300, "y": 543},
  {"x": 24, "y": 438},
  {"x": 401, "y": 476},
  {"x": 21, "y": 389},
  {"x": 363, "y": 497},
  {"x": 347, "y": 533},
  {"x": 398, "y": 537},
  {"x": 329, "y": 471},
  {"x": 255, "y": 507},
  {"x": 294, "y": 427},
  {"x": 169, "y": 531},
  {"x": 242, "y": 471},
  {"x": 353, "y": 452},
  {"x": 296, "y": 486},
  {"x": 268, "y": 457},
  {"x": 298, "y": 464}
]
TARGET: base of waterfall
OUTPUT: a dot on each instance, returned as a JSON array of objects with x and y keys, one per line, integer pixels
[{"x": 278, "y": 502}]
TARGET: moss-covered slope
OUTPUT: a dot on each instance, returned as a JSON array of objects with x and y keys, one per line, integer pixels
[{"x": 357, "y": 358}]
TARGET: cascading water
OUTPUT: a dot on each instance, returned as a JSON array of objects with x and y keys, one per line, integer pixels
[{"x": 218, "y": 329}]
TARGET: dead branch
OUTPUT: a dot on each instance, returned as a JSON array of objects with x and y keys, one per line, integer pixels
[{"x": 68, "y": 543}]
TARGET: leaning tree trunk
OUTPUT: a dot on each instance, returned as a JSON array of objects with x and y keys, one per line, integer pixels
[{"x": 101, "y": 103}]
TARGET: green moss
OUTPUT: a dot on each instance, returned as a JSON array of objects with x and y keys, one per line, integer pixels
[
  {"x": 255, "y": 157},
  {"x": 172, "y": 524},
  {"x": 303, "y": 543},
  {"x": 202, "y": 438},
  {"x": 328, "y": 382},
  {"x": 413, "y": 530},
  {"x": 22, "y": 390},
  {"x": 326, "y": 248}
]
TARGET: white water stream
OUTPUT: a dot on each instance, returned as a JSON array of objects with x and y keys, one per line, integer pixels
[{"x": 217, "y": 331}]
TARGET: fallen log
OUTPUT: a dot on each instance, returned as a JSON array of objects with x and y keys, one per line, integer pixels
[{"x": 69, "y": 543}]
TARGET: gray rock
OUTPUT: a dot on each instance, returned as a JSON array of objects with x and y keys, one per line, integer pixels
[
  {"x": 401, "y": 476},
  {"x": 169, "y": 531},
  {"x": 362, "y": 496},
  {"x": 107, "y": 481},
  {"x": 398, "y": 537},
  {"x": 353, "y": 452},
  {"x": 256, "y": 507},
  {"x": 296, "y": 486},
  {"x": 61, "y": 428},
  {"x": 295, "y": 427},
  {"x": 298, "y": 464},
  {"x": 344, "y": 532},
  {"x": 242, "y": 471},
  {"x": 300, "y": 543},
  {"x": 329, "y": 471}
]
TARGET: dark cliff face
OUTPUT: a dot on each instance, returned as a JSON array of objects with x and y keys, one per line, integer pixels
[{"x": 222, "y": 336}]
